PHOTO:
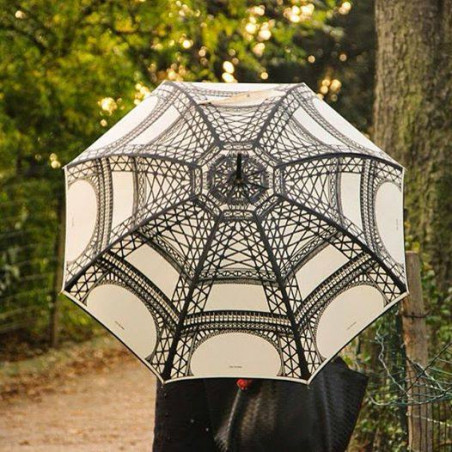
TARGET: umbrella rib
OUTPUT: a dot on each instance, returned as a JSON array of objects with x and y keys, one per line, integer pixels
[
  {"x": 290, "y": 314},
  {"x": 184, "y": 311},
  {"x": 198, "y": 109},
  {"x": 400, "y": 285},
  {"x": 271, "y": 115}
]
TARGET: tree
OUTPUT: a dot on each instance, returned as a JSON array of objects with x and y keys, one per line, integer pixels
[
  {"x": 413, "y": 116},
  {"x": 69, "y": 70}
]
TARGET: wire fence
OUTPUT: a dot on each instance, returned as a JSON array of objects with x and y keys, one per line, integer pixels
[
  {"x": 29, "y": 234},
  {"x": 418, "y": 398}
]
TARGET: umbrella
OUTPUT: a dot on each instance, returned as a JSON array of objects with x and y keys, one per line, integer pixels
[{"x": 234, "y": 230}]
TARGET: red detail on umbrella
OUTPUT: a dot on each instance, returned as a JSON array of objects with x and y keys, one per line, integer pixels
[{"x": 244, "y": 383}]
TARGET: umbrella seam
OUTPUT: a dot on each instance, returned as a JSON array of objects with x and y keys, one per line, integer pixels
[{"x": 290, "y": 314}]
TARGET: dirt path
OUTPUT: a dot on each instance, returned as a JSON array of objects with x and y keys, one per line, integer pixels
[{"x": 110, "y": 408}]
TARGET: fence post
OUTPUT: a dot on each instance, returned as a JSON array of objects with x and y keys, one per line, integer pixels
[
  {"x": 54, "y": 324},
  {"x": 415, "y": 336}
]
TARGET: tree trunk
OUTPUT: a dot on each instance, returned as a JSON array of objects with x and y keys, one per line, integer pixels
[{"x": 413, "y": 115}]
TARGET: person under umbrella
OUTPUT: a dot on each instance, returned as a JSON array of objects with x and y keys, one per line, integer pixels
[{"x": 235, "y": 231}]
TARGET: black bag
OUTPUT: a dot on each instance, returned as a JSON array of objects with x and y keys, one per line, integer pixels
[{"x": 273, "y": 415}]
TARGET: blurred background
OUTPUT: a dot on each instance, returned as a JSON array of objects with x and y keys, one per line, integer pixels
[{"x": 70, "y": 70}]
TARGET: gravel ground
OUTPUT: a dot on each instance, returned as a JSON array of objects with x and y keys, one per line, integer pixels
[{"x": 109, "y": 407}]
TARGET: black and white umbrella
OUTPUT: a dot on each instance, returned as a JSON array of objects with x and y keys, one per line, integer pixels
[{"x": 241, "y": 230}]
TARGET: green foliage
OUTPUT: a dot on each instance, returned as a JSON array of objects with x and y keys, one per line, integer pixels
[
  {"x": 382, "y": 423},
  {"x": 379, "y": 429},
  {"x": 69, "y": 70},
  {"x": 53, "y": 71},
  {"x": 438, "y": 301}
]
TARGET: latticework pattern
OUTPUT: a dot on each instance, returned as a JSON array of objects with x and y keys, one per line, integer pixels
[{"x": 253, "y": 212}]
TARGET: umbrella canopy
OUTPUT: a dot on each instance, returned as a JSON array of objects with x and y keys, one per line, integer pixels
[{"x": 234, "y": 230}]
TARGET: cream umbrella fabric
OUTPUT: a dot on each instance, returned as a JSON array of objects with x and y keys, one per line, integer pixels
[{"x": 234, "y": 230}]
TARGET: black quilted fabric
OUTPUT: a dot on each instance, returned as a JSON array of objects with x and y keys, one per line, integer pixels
[
  {"x": 284, "y": 416},
  {"x": 182, "y": 421},
  {"x": 215, "y": 415}
]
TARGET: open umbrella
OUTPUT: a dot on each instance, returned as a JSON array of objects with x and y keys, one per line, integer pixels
[{"x": 242, "y": 230}]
